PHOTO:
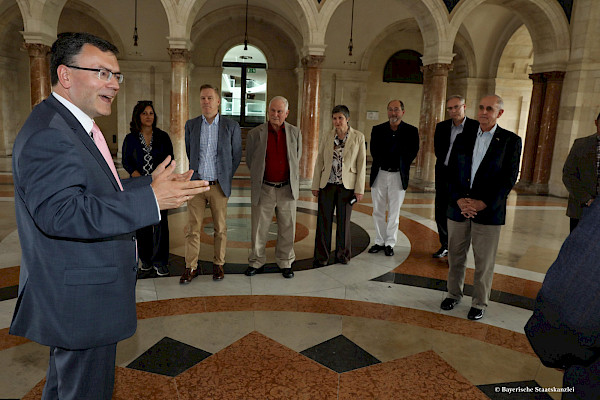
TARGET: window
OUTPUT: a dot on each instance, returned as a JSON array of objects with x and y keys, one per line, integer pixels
[{"x": 405, "y": 67}]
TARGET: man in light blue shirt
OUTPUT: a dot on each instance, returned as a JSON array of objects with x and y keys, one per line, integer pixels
[
  {"x": 482, "y": 170},
  {"x": 214, "y": 147}
]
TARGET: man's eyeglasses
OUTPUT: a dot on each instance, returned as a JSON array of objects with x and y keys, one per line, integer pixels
[{"x": 103, "y": 73}]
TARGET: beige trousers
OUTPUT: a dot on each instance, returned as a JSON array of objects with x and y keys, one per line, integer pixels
[
  {"x": 485, "y": 245},
  {"x": 217, "y": 201},
  {"x": 280, "y": 200}
]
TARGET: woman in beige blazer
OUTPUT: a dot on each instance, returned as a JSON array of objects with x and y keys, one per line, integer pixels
[{"x": 338, "y": 182}]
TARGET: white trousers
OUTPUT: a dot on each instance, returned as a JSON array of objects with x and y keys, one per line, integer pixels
[{"x": 387, "y": 194}]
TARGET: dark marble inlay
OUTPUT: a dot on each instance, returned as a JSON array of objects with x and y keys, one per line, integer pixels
[
  {"x": 439, "y": 284},
  {"x": 9, "y": 292},
  {"x": 525, "y": 390},
  {"x": 169, "y": 357},
  {"x": 340, "y": 354}
]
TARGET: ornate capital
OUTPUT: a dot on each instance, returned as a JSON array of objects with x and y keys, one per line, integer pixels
[
  {"x": 312, "y": 61},
  {"x": 554, "y": 76},
  {"x": 537, "y": 78},
  {"x": 436, "y": 69},
  {"x": 37, "y": 49},
  {"x": 179, "y": 55}
]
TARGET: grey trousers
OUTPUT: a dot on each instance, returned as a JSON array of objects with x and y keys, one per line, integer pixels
[
  {"x": 485, "y": 245},
  {"x": 281, "y": 201}
]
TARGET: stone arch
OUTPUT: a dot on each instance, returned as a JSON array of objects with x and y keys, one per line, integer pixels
[
  {"x": 545, "y": 21},
  {"x": 405, "y": 25},
  {"x": 431, "y": 17},
  {"x": 233, "y": 41},
  {"x": 40, "y": 17},
  {"x": 237, "y": 12}
]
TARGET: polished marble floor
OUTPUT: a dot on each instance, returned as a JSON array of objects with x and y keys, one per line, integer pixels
[{"x": 372, "y": 329}]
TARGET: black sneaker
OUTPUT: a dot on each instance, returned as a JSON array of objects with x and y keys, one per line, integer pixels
[
  {"x": 442, "y": 252},
  {"x": 162, "y": 270},
  {"x": 388, "y": 251},
  {"x": 145, "y": 267}
]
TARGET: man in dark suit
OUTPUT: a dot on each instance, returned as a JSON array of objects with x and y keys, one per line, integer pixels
[
  {"x": 483, "y": 170},
  {"x": 77, "y": 223},
  {"x": 443, "y": 140},
  {"x": 273, "y": 152},
  {"x": 214, "y": 147},
  {"x": 580, "y": 174},
  {"x": 564, "y": 329},
  {"x": 394, "y": 146}
]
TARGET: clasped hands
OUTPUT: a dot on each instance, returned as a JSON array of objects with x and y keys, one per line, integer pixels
[
  {"x": 171, "y": 189},
  {"x": 470, "y": 207}
]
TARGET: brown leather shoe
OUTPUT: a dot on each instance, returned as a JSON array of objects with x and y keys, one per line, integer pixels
[
  {"x": 188, "y": 275},
  {"x": 218, "y": 273}
]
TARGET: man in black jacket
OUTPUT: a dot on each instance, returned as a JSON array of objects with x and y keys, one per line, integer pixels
[
  {"x": 394, "y": 146},
  {"x": 483, "y": 170},
  {"x": 443, "y": 140}
]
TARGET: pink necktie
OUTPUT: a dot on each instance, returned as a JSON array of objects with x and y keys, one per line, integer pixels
[{"x": 103, "y": 147}]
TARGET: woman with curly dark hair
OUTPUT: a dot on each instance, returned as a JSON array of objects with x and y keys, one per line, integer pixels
[{"x": 144, "y": 148}]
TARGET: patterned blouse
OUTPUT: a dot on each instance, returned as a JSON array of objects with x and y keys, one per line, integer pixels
[{"x": 335, "y": 176}]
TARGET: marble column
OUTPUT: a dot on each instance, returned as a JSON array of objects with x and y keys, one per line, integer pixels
[
  {"x": 533, "y": 130},
  {"x": 39, "y": 71},
  {"x": 179, "y": 104},
  {"x": 309, "y": 121},
  {"x": 548, "y": 124},
  {"x": 433, "y": 104}
]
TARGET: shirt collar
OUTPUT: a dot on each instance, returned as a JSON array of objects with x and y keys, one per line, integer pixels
[
  {"x": 82, "y": 117},
  {"x": 462, "y": 124},
  {"x": 491, "y": 131},
  {"x": 215, "y": 121}
]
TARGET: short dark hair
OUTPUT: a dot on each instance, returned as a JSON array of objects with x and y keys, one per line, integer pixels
[
  {"x": 69, "y": 44},
  {"x": 209, "y": 86},
  {"x": 341, "y": 109},
  {"x": 135, "y": 126}
]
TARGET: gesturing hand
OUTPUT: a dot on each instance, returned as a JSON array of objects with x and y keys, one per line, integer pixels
[{"x": 172, "y": 190}]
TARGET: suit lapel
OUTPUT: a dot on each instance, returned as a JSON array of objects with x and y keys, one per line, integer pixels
[{"x": 84, "y": 136}]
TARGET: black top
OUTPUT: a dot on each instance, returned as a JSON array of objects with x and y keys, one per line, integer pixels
[
  {"x": 133, "y": 150},
  {"x": 394, "y": 149}
]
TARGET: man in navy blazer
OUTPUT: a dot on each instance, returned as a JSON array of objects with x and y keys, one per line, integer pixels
[
  {"x": 77, "y": 227},
  {"x": 214, "y": 147},
  {"x": 482, "y": 171},
  {"x": 446, "y": 133}
]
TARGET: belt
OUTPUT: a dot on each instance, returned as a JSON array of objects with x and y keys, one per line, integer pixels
[
  {"x": 277, "y": 185},
  {"x": 212, "y": 183},
  {"x": 391, "y": 169}
]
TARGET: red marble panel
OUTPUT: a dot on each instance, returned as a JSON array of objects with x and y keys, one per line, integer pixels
[
  {"x": 256, "y": 367},
  {"x": 420, "y": 376}
]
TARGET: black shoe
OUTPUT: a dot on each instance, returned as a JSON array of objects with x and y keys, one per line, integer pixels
[
  {"x": 251, "y": 271},
  {"x": 287, "y": 273},
  {"x": 475, "y": 314},
  {"x": 317, "y": 264},
  {"x": 442, "y": 252},
  {"x": 162, "y": 270},
  {"x": 145, "y": 267},
  {"x": 376, "y": 248},
  {"x": 448, "y": 304},
  {"x": 388, "y": 251}
]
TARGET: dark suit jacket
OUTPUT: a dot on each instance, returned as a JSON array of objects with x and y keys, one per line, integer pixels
[
  {"x": 441, "y": 144},
  {"x": 580, "y": 175},
  {"x": 564, "y": 329},
  {"x": 408, "y": 143},
  {"x": 256, "y": 152},
  {"x": 229, "y": 149},
  {"x": 494, "y": 179},
  {"x": 78, "y": 265}
]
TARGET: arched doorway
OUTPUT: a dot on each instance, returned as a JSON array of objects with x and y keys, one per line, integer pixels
[{"x": 244, "y": 85}]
